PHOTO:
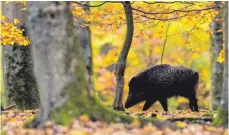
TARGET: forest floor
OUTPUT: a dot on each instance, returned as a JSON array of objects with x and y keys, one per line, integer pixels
[{"x": 190, "y": 123}]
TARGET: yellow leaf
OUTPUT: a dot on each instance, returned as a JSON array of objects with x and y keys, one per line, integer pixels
[
  {"x": 84, "y": 118},
  {"x": 181, "y": 124},
  {"x": 16, "y": 21},
  {"x": 136, "y": 122},
  {"x": 159, "y": 117},
  {"x": 11, "y": 42},
  {"x": 3, "y": 18},
  {"x": 221, "y": 56},
  {"x": 75, "y": 132},
  {"x": 23, "y": 9}
]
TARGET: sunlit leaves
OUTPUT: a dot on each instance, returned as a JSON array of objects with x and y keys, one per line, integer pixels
[
  {"x": 221, "y": 57},
  {"x": 16, "y": 21},
  {"x": 24, "y": 3},
  {"x": 11, "y": 35},
  {"x": 109, "y": 17}
]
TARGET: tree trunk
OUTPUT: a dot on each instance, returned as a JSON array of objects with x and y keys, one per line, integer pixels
[
  {"x": 216, "y": 67},
  {"x": 121, "y": 64},
  {"x": 222, "y": 113},
  {"x": 84, "y": 37},
  {"x": 60, "y": 70},
  {"x": 224, "y": 94},
  {"x": 19, "y": 82}
]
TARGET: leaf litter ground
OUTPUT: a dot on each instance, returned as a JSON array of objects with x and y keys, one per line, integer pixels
[{"x": 191, "y": 123}]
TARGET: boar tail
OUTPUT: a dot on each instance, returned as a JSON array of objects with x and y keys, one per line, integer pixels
[{"x": 196, "y": 75}]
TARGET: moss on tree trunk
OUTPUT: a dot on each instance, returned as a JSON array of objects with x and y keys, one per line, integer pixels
[{"x": 221, "y": 117}]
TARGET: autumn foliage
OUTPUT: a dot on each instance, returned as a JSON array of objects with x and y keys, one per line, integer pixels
[
  {"x": 182, "y": 27},
  {"x": 10, "y": 33}
]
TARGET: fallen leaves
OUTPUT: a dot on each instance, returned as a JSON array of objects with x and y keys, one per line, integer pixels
[{"x": 13, "y": 121}]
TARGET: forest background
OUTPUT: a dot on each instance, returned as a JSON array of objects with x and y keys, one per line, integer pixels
[{"x": 186, "y": 41}]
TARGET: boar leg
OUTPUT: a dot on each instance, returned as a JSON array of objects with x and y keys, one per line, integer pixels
[
  {"x": 193, "y": 104},
  {"x": 148, "y": 104},
  {"x": 164, "y": 104}
]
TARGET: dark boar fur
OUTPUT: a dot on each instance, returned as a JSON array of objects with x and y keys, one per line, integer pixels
[{"x": 161, "y": 82}]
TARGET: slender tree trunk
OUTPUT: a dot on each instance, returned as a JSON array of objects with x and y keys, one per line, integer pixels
[
  {"x": 216, "y": 67},
  {"x": 121, "y": 63},
  {"x": 19, "y": 82},
  {"x": 60, "y": 70},
  {"x": 222, "y": 112}
]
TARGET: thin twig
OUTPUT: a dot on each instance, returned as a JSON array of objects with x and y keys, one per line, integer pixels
[
  {"x": 90, "y": 5},
  {"x": 167, "y": 19},
  {"x": 177, "y": 10},
  {"x": 166, "y": 37},
  {"x": 194, "y": 27},
  {"x": 151, "y": 26},
  {"x": 161, "y": 2}
]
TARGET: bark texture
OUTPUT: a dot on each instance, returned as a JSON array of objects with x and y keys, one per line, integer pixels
[
  {"x": 216, "y": 67},
  {"x": 61, "y": 71},
  {"x": 224, "y": 101},
  {"x": 121, "y": 63},
  {"x": 84, "y": 37},
  {"x": 19, "y": 82},
  {"x": 222, "y": 112}
]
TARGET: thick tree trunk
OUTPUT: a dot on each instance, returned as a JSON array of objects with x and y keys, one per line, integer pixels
[
  {"x": 216, "y": 67},
  {"x": 121, "y": 64},
  {"x": 222, "y": 113},
  {"x": 61, "y": 71},
  {"x": 19, "y": 81}
]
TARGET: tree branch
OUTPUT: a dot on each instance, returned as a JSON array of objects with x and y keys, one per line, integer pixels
[
  {"x": 177, "y": 10},
  {"x": 194, "y": 27},
  {"x": 166, "y": 37},
  {"x": 167, "y": 19}
]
